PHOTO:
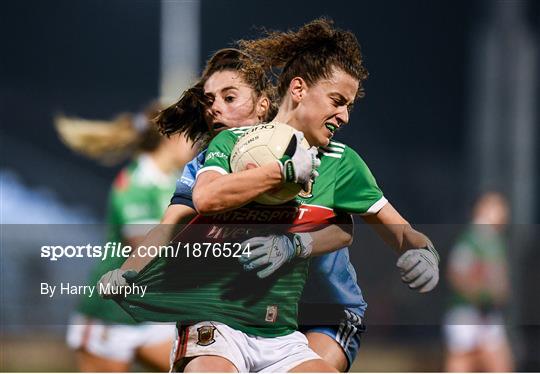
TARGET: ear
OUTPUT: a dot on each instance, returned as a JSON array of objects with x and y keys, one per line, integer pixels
[
  {"x": 297, "y": 89},
  {"x": 263, "y": 105}
]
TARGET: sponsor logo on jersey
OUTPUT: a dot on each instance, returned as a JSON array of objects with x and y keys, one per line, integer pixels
[
  {"x": 205, "y": 335},
  {"x": 271, "y": 313},
  {"x": 212, "y": 155}
]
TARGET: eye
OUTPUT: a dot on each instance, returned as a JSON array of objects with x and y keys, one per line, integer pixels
[
  {"x": 208, "y": 100},
  {"x": 229, "y": 98}
]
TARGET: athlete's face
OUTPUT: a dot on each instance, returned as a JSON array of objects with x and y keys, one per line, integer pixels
[
  {"x": 231, "y": 102},
  {"x": 324, "y": 106}
]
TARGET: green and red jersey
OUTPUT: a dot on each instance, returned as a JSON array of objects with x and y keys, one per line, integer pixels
[{"x": 220, "y": 290}]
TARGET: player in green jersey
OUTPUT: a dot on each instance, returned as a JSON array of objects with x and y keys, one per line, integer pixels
[
  {"x": 104, "y": 336},
  {"x": 229, "y": 102},
  {"x": 321, "y": 77},
  {"x": 478, "y": 275}
]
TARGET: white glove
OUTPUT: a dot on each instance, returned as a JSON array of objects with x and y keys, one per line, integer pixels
[
  {"x": 420, "y": 268},
  {"x": 110, "y": 283},
  {"x": 271, "y": 252},
  {"x": 300, "y": 166}
]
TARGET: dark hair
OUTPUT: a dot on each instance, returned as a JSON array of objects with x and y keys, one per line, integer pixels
[
  {"x": 311, "y": 53},
  {"x": 187, "y": 114}
]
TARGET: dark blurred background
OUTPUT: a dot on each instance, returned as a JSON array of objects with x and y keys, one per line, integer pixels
[{"x": 451, "y": 110}]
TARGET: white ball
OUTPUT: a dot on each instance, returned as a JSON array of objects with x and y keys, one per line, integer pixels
[{"x": 264, "y": 144}]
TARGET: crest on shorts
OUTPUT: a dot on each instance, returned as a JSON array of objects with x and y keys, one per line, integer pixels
[
  {"x": 307, "y": 194},
  {"x": 205, "y": 335},
  {"x": 271, "y": 313}
]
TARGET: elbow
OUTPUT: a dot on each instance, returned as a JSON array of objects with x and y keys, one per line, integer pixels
[
  {"x": 205, "y": 204},
  {"x": 348, "y": 240},
  {"x": 203, "y": 207}
]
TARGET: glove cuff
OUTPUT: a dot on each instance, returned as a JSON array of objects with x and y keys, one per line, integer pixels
[
  {"x": 303, "y": 244},
  {"x": 429, "y": 247},
  {"x": 286, "y": 165}
]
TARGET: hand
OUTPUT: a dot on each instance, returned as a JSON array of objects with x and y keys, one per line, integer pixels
[
  {"x": 271, "y": 252},
  {"x": 300, "y": 165},
  {"x": 110, "y": 283},
  {"x": 420, "y": 268}
]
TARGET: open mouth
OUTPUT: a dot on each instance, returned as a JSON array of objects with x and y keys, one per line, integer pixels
[
  {"x": 331, "y": 127},
  {"x": 218, "y": 126}
]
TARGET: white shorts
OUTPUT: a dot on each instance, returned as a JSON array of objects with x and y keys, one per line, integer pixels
[
  {"x": 248, "y": 353},
  {"x": 115, "y": 342},
  {"x": 466, "y": 329}
]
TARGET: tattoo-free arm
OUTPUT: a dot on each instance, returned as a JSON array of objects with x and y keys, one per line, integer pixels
[{"x": 215, "y": 193}]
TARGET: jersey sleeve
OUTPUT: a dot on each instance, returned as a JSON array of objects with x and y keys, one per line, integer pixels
[
  {"x": 356, "y": 190},
  {"x": 183, "y": 195},
  {"x": 219, "y": 152}
]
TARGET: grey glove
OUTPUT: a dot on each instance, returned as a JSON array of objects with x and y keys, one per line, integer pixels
[
  {"x": 419, "y": 268},
  {"x": 111, "y": 283},
  {"x": 300, "y": 166},
  {"x": 271, "y": 252}
]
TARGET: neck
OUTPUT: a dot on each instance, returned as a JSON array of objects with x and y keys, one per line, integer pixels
[{"x": 286, "y": 115}]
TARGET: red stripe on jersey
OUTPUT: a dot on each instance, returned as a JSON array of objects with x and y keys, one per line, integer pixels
[{"x": 121, "y": 182}]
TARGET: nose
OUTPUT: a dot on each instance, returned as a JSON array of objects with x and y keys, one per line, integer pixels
[
  {"x": 343, "y": 116},
  {"x": 216, "y": 107}
]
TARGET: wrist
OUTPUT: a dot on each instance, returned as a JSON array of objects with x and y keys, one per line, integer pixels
[
  {"x": 431, "y": 248},
  {"x": 286, "y": 168},
  {"x": 303, "y": 244}
]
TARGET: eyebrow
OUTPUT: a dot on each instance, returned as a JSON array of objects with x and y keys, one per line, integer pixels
[
  {"x": 222, "y": 90},
  {"x": 342, "y": 98}
]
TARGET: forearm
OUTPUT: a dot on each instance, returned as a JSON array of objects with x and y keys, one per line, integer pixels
[
  {"x": 329, "y": 239},
  {"x": 158, "y": 236},
  {"x": 231, "y": 191}
]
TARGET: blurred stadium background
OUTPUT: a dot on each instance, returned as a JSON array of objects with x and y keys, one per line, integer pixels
[{"x": 452, "y": 109}]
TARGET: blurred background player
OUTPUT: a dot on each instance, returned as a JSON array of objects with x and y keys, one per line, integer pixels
[
  {"x": 103, "y": 335},
  {"x": 478, "y": 276}
]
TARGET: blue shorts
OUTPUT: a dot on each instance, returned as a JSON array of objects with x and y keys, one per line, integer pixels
[{"x": 347, "y": 334}]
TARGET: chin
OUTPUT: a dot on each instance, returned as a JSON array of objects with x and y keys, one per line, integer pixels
[{"x": 324, "y": 142}]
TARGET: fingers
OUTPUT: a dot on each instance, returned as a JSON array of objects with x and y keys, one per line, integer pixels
[
  {"x": 256, "y": 263},
  {"x": 266, "y": 272},
  {"x": 110, "y": 282},
  {"x": 419, "y": 270},
  {"x": 407, "y": 260},
  {"x": 413, "y": 273},
  {"x": 255, "y": 254},
  {"x": 431, "y": 284},
  {"x": 299, "y": 135}
]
